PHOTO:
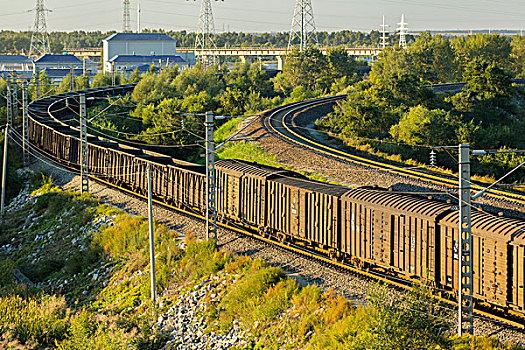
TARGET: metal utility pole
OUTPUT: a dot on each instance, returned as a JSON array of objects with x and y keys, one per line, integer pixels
[
  {"x": 465, "y": 301},
  {"x": 205, "y": 39},
  {"x": 138, "y": 17},
  {"x": 9, "y": 102},
  {"x": 37, "y": 83},
  {"x": 303, "y": 31},
  {"x": 211, "y": 213},
  {"x": 151, "y": 240},
  {"x": 126, "y": 18},
  {"x": 14, "y": 99},
  {"x": 25, "y": 125},
  {"x": 4, "y": 175},
  {"x": 113, "y": 76},
  {"x": 84, "y": 165},
  {"x": 402, "y": 31},
  {"x": 384, "y": 35},
  {"x": 40, "y": 38},
  {"x": 71, "y": 79}
]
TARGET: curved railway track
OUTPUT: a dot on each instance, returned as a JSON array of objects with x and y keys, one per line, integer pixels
[
  {"x": 281, "y": 123},
  {"x": 49, "y": 113}
]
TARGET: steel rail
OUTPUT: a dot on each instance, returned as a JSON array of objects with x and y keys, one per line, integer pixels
[
  {"x": 297, "y": 248},
  {"x": 280, "y": 124}
]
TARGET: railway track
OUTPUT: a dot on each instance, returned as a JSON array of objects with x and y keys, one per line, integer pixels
[
  {"x": 283, "y": 112},
  {"x": 281, "y": 123}
]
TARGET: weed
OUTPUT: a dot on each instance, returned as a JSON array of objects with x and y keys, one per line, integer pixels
[{"x": 83, "y": 259}]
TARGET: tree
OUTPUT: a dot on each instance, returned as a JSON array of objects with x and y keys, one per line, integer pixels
[
  {"x": 518, "y": 56},
  {"x": 233, "y": 101},
  {"x": 306, "y": 68},
  {"x": 82, "y": 82},
  {"x": 65, "y": 85},
  {"x": 421, "y": 126},
  {"x": 486, "y": 80},
  {"x": 433, "y": 59},
  {"x": 44, "y": 85},
  {"x": 341, "y": 64},
  {"x": 134, "y": 77},
  {"x": 493, "y": 48},
  {"x": 103, "y": 79}
]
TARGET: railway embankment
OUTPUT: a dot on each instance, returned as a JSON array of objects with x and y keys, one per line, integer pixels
[{"x": 85, "y": 270}]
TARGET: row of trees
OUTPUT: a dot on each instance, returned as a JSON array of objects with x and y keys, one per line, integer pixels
[
  {"x": 159, "y": 99},
  {"x": 19, "y": 42},
  {"x": 396, "y": 105}
]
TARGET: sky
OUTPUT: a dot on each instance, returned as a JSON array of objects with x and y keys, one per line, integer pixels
[{"x": 270, "y": 15}]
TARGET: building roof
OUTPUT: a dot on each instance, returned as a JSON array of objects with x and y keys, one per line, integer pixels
[
  {"x": 65, "y": 59},
  {"x": 141, "y": 68},
  {"x": 64, "y": 72},
  {"x": 139, "y": 37},
  {"x": 143, "y": 59},
  {"x": 14, "y": 59}
]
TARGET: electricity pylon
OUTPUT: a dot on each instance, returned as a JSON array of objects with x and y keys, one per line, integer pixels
[
  {"x": 384, "y": 35},
  {"x": 402, "y": 32},
  {"x": 40, "y": 38},
  {"x": 126, "y": 18},
  {"x": 205, "y": 39},
  {"x": 303, "y": 26}
]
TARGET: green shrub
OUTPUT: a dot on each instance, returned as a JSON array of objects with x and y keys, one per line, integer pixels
[
  {"x": 201, "y": 258},
  {"x": 41, "y": 320},
  {"x": 83, "y": 259},
  {"x": 85, "y": 333},
  {"x": 259, "y": 295},
  {"x": 6, "y": 272},
  {"x": 43, "y": 269},
  {"x": 128, "y": 234}
]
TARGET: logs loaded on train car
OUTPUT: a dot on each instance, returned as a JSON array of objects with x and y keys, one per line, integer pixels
[{"x": 401, "y": 235}]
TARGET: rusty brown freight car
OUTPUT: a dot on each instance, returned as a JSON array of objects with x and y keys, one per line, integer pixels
[
  {"x": 394, "y": 231},
  {"x": 305, "y": 210},
  {"x": 517, "y": 250},
  {"x": 242, "y": 190},
  {"x": 492, "y": 268}
]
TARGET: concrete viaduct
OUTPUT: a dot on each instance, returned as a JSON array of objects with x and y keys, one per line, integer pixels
[{"x": 279, "y": 53}]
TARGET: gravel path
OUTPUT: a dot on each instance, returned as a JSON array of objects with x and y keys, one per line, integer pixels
[{"x": 304, "y": 270}]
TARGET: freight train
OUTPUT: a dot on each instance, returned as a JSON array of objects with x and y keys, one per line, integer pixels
[{"x": 403, "y": 235}]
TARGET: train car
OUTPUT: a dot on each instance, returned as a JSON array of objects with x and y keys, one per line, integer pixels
[
  {"x": 306, "y": 211},
  {"x": 517, "y": 264},
  {"x": 242, "y": 191},
  {"x": 393, "y": 231},
  {"x": 492, "y": 256}
]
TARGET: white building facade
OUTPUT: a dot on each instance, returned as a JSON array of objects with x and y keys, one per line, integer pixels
[{"x": 137, "y": 44}]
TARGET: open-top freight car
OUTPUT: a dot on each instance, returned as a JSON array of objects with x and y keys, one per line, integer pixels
[{"x": 398, "y": 233}]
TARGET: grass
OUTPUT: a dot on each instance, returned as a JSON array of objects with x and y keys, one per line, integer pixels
[
  {"x": 115, "y": 312},
  {"x": 227, "y": 129}
]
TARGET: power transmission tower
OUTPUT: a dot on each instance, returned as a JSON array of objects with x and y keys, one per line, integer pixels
[
  {"x": 402, "y": 31},
  {"x": 138, "y": 17},
  {"x": 205, "y": 39},
  {"x": 40, "y": 38},
  {"x": 303, "y": 26},
  {"x": 384, "y": 35},
  {"x": 126, "y": 18}
]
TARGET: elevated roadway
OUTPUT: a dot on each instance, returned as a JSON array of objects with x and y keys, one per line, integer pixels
[{"x": 249, "y": 52}]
